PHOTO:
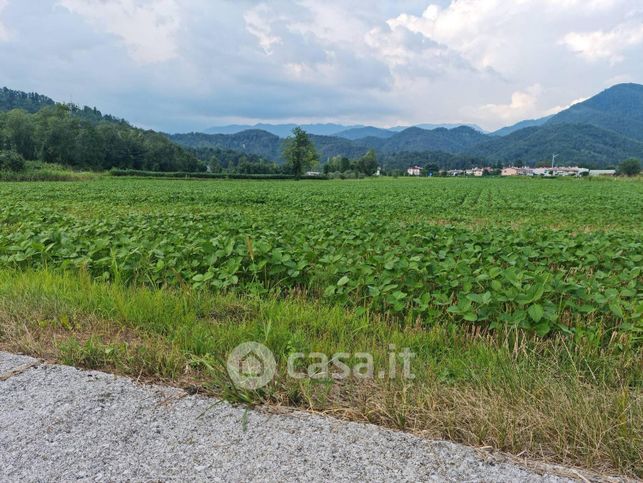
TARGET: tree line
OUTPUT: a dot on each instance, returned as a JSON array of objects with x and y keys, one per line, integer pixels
[
  {"x": 298, "y": 152},
  {"x": 27, "y": 101},
  {"x": 300, "y": 155},
  {"x": 83, "y": 138}
]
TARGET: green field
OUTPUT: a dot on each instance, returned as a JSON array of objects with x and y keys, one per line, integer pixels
[{"x": 522, "y": 298}]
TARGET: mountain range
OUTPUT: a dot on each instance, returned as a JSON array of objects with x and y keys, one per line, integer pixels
[
  {"x": 601, "y": 131},
  {"x": 356, "y": 131}
]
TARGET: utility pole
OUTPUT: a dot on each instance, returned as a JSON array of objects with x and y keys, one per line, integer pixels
[{"x": 553, "y": 158}]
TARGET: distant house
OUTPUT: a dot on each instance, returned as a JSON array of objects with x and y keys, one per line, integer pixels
[
  {"x": 541, "y": 171},
  {"x": 478, "y": 171},
  {"x": 559, "y": 171},
  {"x": 414, "y": 171},
  {"x": 602, "y": 172},
  {"x": 509, "y": 171}
]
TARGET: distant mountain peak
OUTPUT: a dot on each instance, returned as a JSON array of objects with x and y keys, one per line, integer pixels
[{"x": 618, "y": 109}]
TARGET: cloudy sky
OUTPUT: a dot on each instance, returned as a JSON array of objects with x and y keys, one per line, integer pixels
[{"x": 181, "y": 65}]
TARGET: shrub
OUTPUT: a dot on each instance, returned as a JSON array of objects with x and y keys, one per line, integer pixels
[
  {"x": 630, "y": 167},
  {"x": 11, "y": 161}
]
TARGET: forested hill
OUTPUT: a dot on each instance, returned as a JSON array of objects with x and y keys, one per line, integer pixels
[
  {"x": 38, "y": 129},
  {"x": 33, "y": 102},
  {"x": 455, "y": 140},
  {"x": 581, "y": 144},
  {"x": 268, "y": 146},
  {"x": 618, "y": 109},
  {"x": 27, "y": 101},
  {"x": 253, "y": 141},
  {"x": 599, "y": 132}
]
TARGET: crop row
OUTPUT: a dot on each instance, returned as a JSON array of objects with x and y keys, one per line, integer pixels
[{"x": 529, "y": 276}]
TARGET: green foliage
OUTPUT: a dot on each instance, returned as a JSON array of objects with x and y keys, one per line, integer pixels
[
  {"x": 366, "y": 165},
  {"x": 394, "y": 151},
  {"x": 253, "y": 142},
  {"x": 84, "y": 139},
  {"x": 27, "y": 101},
  {"x": 596, "y": 133},
  {"x": 229, "y": 161},
  {"x": 453, "y": 141},
  {"x": 402, "y": 160},
  {"x": 618, "y": 109},
  {"x": 299, "y": 152},
  {"x": 576, "y": 145},
  {"x": 495, "y": 253},
  {"x": 39, "y": 171},
  {"x": 338, "y": 164},
  {"x": 11, "y": 161},
  {"x": 630, "y": 167},
  {"x": 201, "y": 175},
  {"x": 494, "y": 390}
]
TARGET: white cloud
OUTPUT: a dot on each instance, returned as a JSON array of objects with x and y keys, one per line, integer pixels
[
  {"x": 4, "y": 33},
  {"x": 498, "y": 34},
  {"x": 147, "y": 28},
  {"x": 605, "y": 45},
  {"x": 557, "y": 109},
  {"x": 476, "y": 29},
  {"x": 259, "y": 26},
  {"x": 523, "y": 104},
  {"x": 314, "y": 44}
]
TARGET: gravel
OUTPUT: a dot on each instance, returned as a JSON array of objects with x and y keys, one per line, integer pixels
[{"x": 61, "y": 423}]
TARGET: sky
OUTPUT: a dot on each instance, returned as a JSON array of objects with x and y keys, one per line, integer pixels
[{"x": 186, "y": 65}]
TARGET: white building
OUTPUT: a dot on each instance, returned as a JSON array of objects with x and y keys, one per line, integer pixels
[
  {"x": 602, "y": 172},
  {"x": 559, "y": 171},
  {"x": 509, "y": 171},
  {"x": 414, "y": 171}
]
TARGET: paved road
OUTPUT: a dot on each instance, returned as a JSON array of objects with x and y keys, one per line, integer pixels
[{"x": 60, "y": 423}]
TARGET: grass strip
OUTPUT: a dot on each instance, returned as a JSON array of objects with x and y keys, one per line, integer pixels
[{"x": 557, "y": 399}]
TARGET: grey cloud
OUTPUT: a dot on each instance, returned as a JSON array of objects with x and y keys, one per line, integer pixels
[{"x": 336, "y": 59}]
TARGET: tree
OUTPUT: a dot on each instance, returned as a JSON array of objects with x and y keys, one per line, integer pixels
[
  {"x": 57, "y": 132},
  {"x": 11, "y": 161},
  {"x": 630, "y": 167},
  {"x": 89, "y": 151},
  {"x": 430, "y": 170},
  {"x": 84, "y": 138},
  {"x": 368, "y": 164},
  {"x": 20, "y": 133},
  {"x": 299, "y": 152}
]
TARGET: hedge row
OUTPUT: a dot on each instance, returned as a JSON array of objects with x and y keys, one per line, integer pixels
[{"x": 182, "y": 174}]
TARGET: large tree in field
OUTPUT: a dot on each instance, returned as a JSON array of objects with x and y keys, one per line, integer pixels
[
  {"x": 368, "y": 164},
  {"x": 630, "y": 167},
  {"x": 299, "y": 152}
]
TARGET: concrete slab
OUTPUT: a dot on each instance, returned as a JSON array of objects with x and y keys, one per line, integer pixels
[{"x": 11, "y": 362}]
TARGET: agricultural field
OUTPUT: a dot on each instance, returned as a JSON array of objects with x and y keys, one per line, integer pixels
[
  {"x": 517, "y": 296},
  {"x": 542, "y": 256}
]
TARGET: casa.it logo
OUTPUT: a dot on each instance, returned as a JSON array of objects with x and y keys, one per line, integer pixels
[{"x": 251, "y": 365}]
